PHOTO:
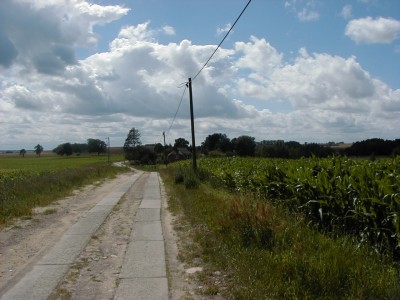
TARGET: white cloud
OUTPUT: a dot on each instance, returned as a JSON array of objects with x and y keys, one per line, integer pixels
[
  {"x": 169, "y": 30},
  {"x": 304, "y": 10},
  {"x": 308, "y": 15},
  {"x": 369, "y": 30},
  {"x": 346, "y": 11},
  {"x": 135, "y": 84},
  {"x": 259, "y": 55},
  {"x": 224, "y": 30},
  {"x": 41, "y": 35}
]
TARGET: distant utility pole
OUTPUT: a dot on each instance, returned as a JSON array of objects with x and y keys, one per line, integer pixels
[
  {"x": 108, "y": 152},
  {"x": 192, "y": 125}
]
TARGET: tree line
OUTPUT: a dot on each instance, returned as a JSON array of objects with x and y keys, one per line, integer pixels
[
  {"x": 373, "y": 147},
  {"x": 92, "y": 146},
  {"x": 218, "y": 145}
]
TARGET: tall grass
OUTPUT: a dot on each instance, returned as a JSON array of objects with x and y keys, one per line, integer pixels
[
  {"x": 262, "y": 250},
  {"x": 29, "y": 182}
]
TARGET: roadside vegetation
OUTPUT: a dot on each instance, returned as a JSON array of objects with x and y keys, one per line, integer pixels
[
  {"x": 32, "y": 181},
  {"x": 290, "y": 229}
]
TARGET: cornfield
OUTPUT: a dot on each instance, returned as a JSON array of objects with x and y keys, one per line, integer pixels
[{"x": 339, "y": 195}]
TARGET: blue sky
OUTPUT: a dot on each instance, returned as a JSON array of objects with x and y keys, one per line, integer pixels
[{"x": 303, "y": 70}]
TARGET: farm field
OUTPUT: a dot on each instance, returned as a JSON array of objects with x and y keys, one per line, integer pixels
[
  {"x": 340, "y": 195},
  {"x": 291, "y": 229},
  {"x": 26, "y": 182}
]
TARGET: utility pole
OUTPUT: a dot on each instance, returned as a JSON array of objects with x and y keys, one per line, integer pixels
[
  {"x": 192, "y": 125},
  {"x": 165, "y": 151}
]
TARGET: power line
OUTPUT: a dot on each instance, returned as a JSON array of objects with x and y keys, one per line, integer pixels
[
  {"x": 208, "y": 60},
  {"x": 216, "y": 49},
  {"x": 180, "y": 102}
]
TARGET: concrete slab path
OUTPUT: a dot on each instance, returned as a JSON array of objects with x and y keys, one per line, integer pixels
[{"x": 143, "y": 274}]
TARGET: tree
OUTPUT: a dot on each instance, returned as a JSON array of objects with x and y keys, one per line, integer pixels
[
  {"x": 141, "y": 155},
  {"x": 158, "y": 148},
  {"x": 38, "y": 149},
  {"x": 22, "y": 152},
  {"x": 181, "y": 143},
  {"x": 79, "y": 148},
  {"x": 217, "y": 141},
  {"x": 133, "y": 139},
  {"x": 245, "y": 145},
  {"x": 96, "y": 145},
  {"x": 67, "y": 149}
]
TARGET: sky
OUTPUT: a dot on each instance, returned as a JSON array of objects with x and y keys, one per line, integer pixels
[{"x": 295, "y": 70}]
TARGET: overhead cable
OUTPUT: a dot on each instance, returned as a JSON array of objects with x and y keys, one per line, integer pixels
[
  {"x": 216, "y": 49},
  {"x": 180, "y": 102}
]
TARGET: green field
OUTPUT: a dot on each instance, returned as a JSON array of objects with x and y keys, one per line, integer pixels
[
  {"x": 26, "y": 182},
  {"x": 340, "y": 195},
  {"x": 290, "y": 229}
]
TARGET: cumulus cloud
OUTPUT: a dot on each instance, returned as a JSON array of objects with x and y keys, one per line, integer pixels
[
  {"x": 41, "y": 35},
  {"x": 370, "y": 31},
  {"x": 47, "y": 94},
  {"x": 330, "y": 86}
]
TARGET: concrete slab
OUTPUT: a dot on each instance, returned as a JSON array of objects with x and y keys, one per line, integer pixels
[
  {"x": 66, "y": 250},
  {"x": 143, "y": 289},
  {"x": 150, "y": 204},
  {"x": 152, "y": 194},
  {"x": 98, "y": 207},
  {"x": 148, "y": 214},
  {"x": 89, "y": 223},
  {"x": 110, "y": 199},
  {"x": 147, "y": 231},
  {"x": 38, "y": 283},
  {"x": 144, "y": 259}
]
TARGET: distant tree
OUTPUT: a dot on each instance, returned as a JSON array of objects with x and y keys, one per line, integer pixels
[
  {"x": 96, "y": 146},
  {"x": 245, "y": 145},
  {"x": 67, "y": 149},
  {"x": 59, "y": 150},
  {"x": 181, "y": 143},
  {"x": 142, "y": 155},
  {"x": 158, "y": 148},
  {"x": 131, "y": 142},
  {"x": 22, "y": 152},
  {"x": 63, "y": 149},
  {"x": 373, "y": 146},
  {"x": 133, "y": 139},
  {"x": 217, "y": 141},
  {"x": 79, "y": 148},
  {"x": 38, "y": 149}
]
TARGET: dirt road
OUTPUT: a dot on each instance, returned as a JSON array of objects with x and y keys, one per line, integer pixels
[{"x": 95, "y": 272}]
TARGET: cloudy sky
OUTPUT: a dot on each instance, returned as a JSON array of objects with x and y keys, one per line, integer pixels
[{"x": 303, "y": 70}]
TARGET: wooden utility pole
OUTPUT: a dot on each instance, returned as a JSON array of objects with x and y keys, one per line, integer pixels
[
  {"x": 192, "y": 125},
  {"x": 165, "y": 151}
]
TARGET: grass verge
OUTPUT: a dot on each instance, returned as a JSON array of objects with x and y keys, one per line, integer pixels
[
  {"x": 253, "y": 250},
  {"x": 19, "y": 194}
]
